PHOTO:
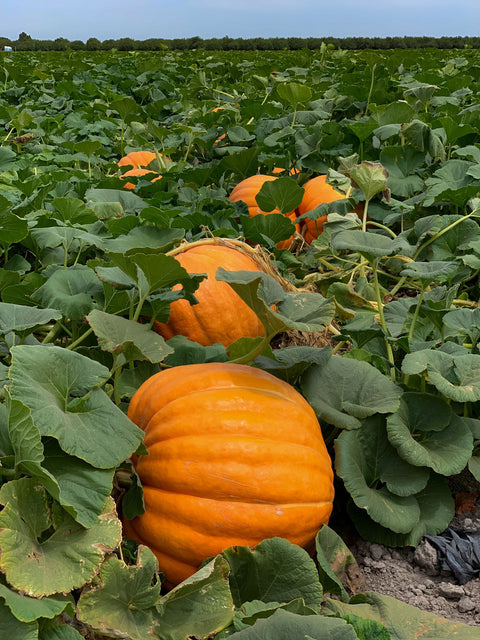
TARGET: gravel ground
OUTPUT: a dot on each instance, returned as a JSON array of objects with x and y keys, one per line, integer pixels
[{"x": 414, "y": 575}]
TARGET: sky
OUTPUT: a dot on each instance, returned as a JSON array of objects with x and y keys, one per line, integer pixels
[{"x": 143, "y": 19}]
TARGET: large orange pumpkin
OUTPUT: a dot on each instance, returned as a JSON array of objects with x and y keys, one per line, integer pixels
[
  {"x": 317, "y": 192},
  {"x": 220, "y": 315},
  {"x": 235, "y": 456},
  {"x": 247, "y": 190}
]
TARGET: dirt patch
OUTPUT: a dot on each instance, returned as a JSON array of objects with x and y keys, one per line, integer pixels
[{"x": 415, "y": 576}]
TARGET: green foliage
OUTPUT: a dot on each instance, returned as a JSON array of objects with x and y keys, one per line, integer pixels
[{"x": 391, "y": 288}]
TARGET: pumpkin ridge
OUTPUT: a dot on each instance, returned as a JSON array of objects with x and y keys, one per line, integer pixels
[
  {"x": 269, "y": 392},
  {"x": 235, "y": 499}
]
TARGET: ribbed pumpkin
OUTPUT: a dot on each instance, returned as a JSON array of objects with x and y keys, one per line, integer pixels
[
  {"x": 220, "y": 315},
  {"x": 235, "y": 456},
  {"x": 248, "y": 189},
  {"x": 317, "y": 192}
]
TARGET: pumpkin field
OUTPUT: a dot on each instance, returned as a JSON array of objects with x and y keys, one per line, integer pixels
[{"x": 238, "y": 317}]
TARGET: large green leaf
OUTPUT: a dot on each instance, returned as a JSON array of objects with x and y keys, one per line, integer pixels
[
  {"x": 19, "y": 318},
  {"x": 142, "y": 237},
  {"x": 403, "y": 621},
  {"x": 360, "y": 457},
  {"x": 344, "y": 391},
  {"x": 426, "y": 432},
  {"x": 370, "y": 177},
  {"x": 59, "y": 387},
  {"x": 124, "y": 598},
  {"x": 28, "y": 609},
  {"x": 200, "y": 606},
  {"x": 371, "y": 245},
  {"x": 283, "y": 193},
  {"x": 437, "y": 509},
  {"x": 269, "y": 229},
  {"x": 294, "y": 92},
  {"x": 43, "y": 550},
  {"x": 80, "y": 488},
  {"x": 273, "y": 571},
  {"x": 13, "y": 628},
  {"x": 284, "y": 625},
  {"x": 456, "y": 376},
  {"x": 126, "y": 338},
  {"x": 71, "y": 291},
  {"x": 292, "y": 310}
]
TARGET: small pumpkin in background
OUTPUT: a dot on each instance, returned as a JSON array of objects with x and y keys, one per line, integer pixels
[
  {"x": 248, "y": 189},
  {"x": 139, "y": 161},
  {"x": 220, "y": 315},
  {"x": 236, "y": 455},
  {"x": 317, "y": 192}
]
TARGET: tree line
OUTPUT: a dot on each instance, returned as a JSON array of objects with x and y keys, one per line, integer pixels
[{"x": 26, "y": 43}]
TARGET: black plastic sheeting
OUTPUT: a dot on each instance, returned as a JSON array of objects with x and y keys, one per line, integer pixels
[{"x": 458, "y": 552}]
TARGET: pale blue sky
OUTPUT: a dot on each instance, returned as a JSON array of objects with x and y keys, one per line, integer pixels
[{"x": 142, "y": 19}]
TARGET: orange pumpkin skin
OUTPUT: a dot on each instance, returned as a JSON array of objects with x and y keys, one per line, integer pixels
[
  {"x": 317, "y": 192},
  {"x": 247, "y": 190},
  {"x": 220, "y": 315},
  {"x": 235, "y": 456},
  {"x": 138, "y": 160}
]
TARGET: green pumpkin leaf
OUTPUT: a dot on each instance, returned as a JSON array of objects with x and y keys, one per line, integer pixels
[
  {"x": 335, "y": 561},
  {"x": 284, "y": 625},
  {"x": 343, "y": 391},
  {"x": 14, "y": 229},
  {"x": 455, "y": 376},
  {"x": 28, "y": 609},
  {"x": 273, "y": 571},
  {"x": 123, "y": 603},
  {"x": 370, "y": 178},
  {"x": 423, "y": 440},
  {"x": 360, "y": 456},
  {"x": 126, "y": 338},
  {"x": 59, "y": 388},
  {"x": 19, "y": 318},
  {"x": 371, "y": 245},
  {"x": 403, "y": 621},
  {"x": 37, "y": 541},
  {"x": 437, "y": 509},
  {"x": 15, "y": 629},
  {"x": 283, "y": 193},
  {"x": 71, "y": 291},
  {"x": 268, "y": 229},
  {"x": 438, "y": 271},
  {"x": 293, "y": 310},
  {"x": 142, "y": 237},
  {"x": 200, "y": 606},
  {"x": 80, "y": 488},
  {"x": 294, "y": 92}
]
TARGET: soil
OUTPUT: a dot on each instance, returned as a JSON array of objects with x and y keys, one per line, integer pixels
[{"x": 414, "y": 575}]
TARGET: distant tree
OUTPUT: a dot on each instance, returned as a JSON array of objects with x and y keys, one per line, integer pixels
[
  {"x": 93, "y": 44},
  {"x": 61, "y": 44},
  {"x": 125, "y": 44},
  {"x": 77, "y": 45}
]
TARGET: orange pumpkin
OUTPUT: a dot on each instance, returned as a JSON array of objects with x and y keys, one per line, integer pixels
[
  {"x": 138, "y": 160},
  {"x": 317, "y": 192},
  {"x": 220, "y": 315},
  {"x": 236, "y": 455},
  {"x": 247, "y": 190}
]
